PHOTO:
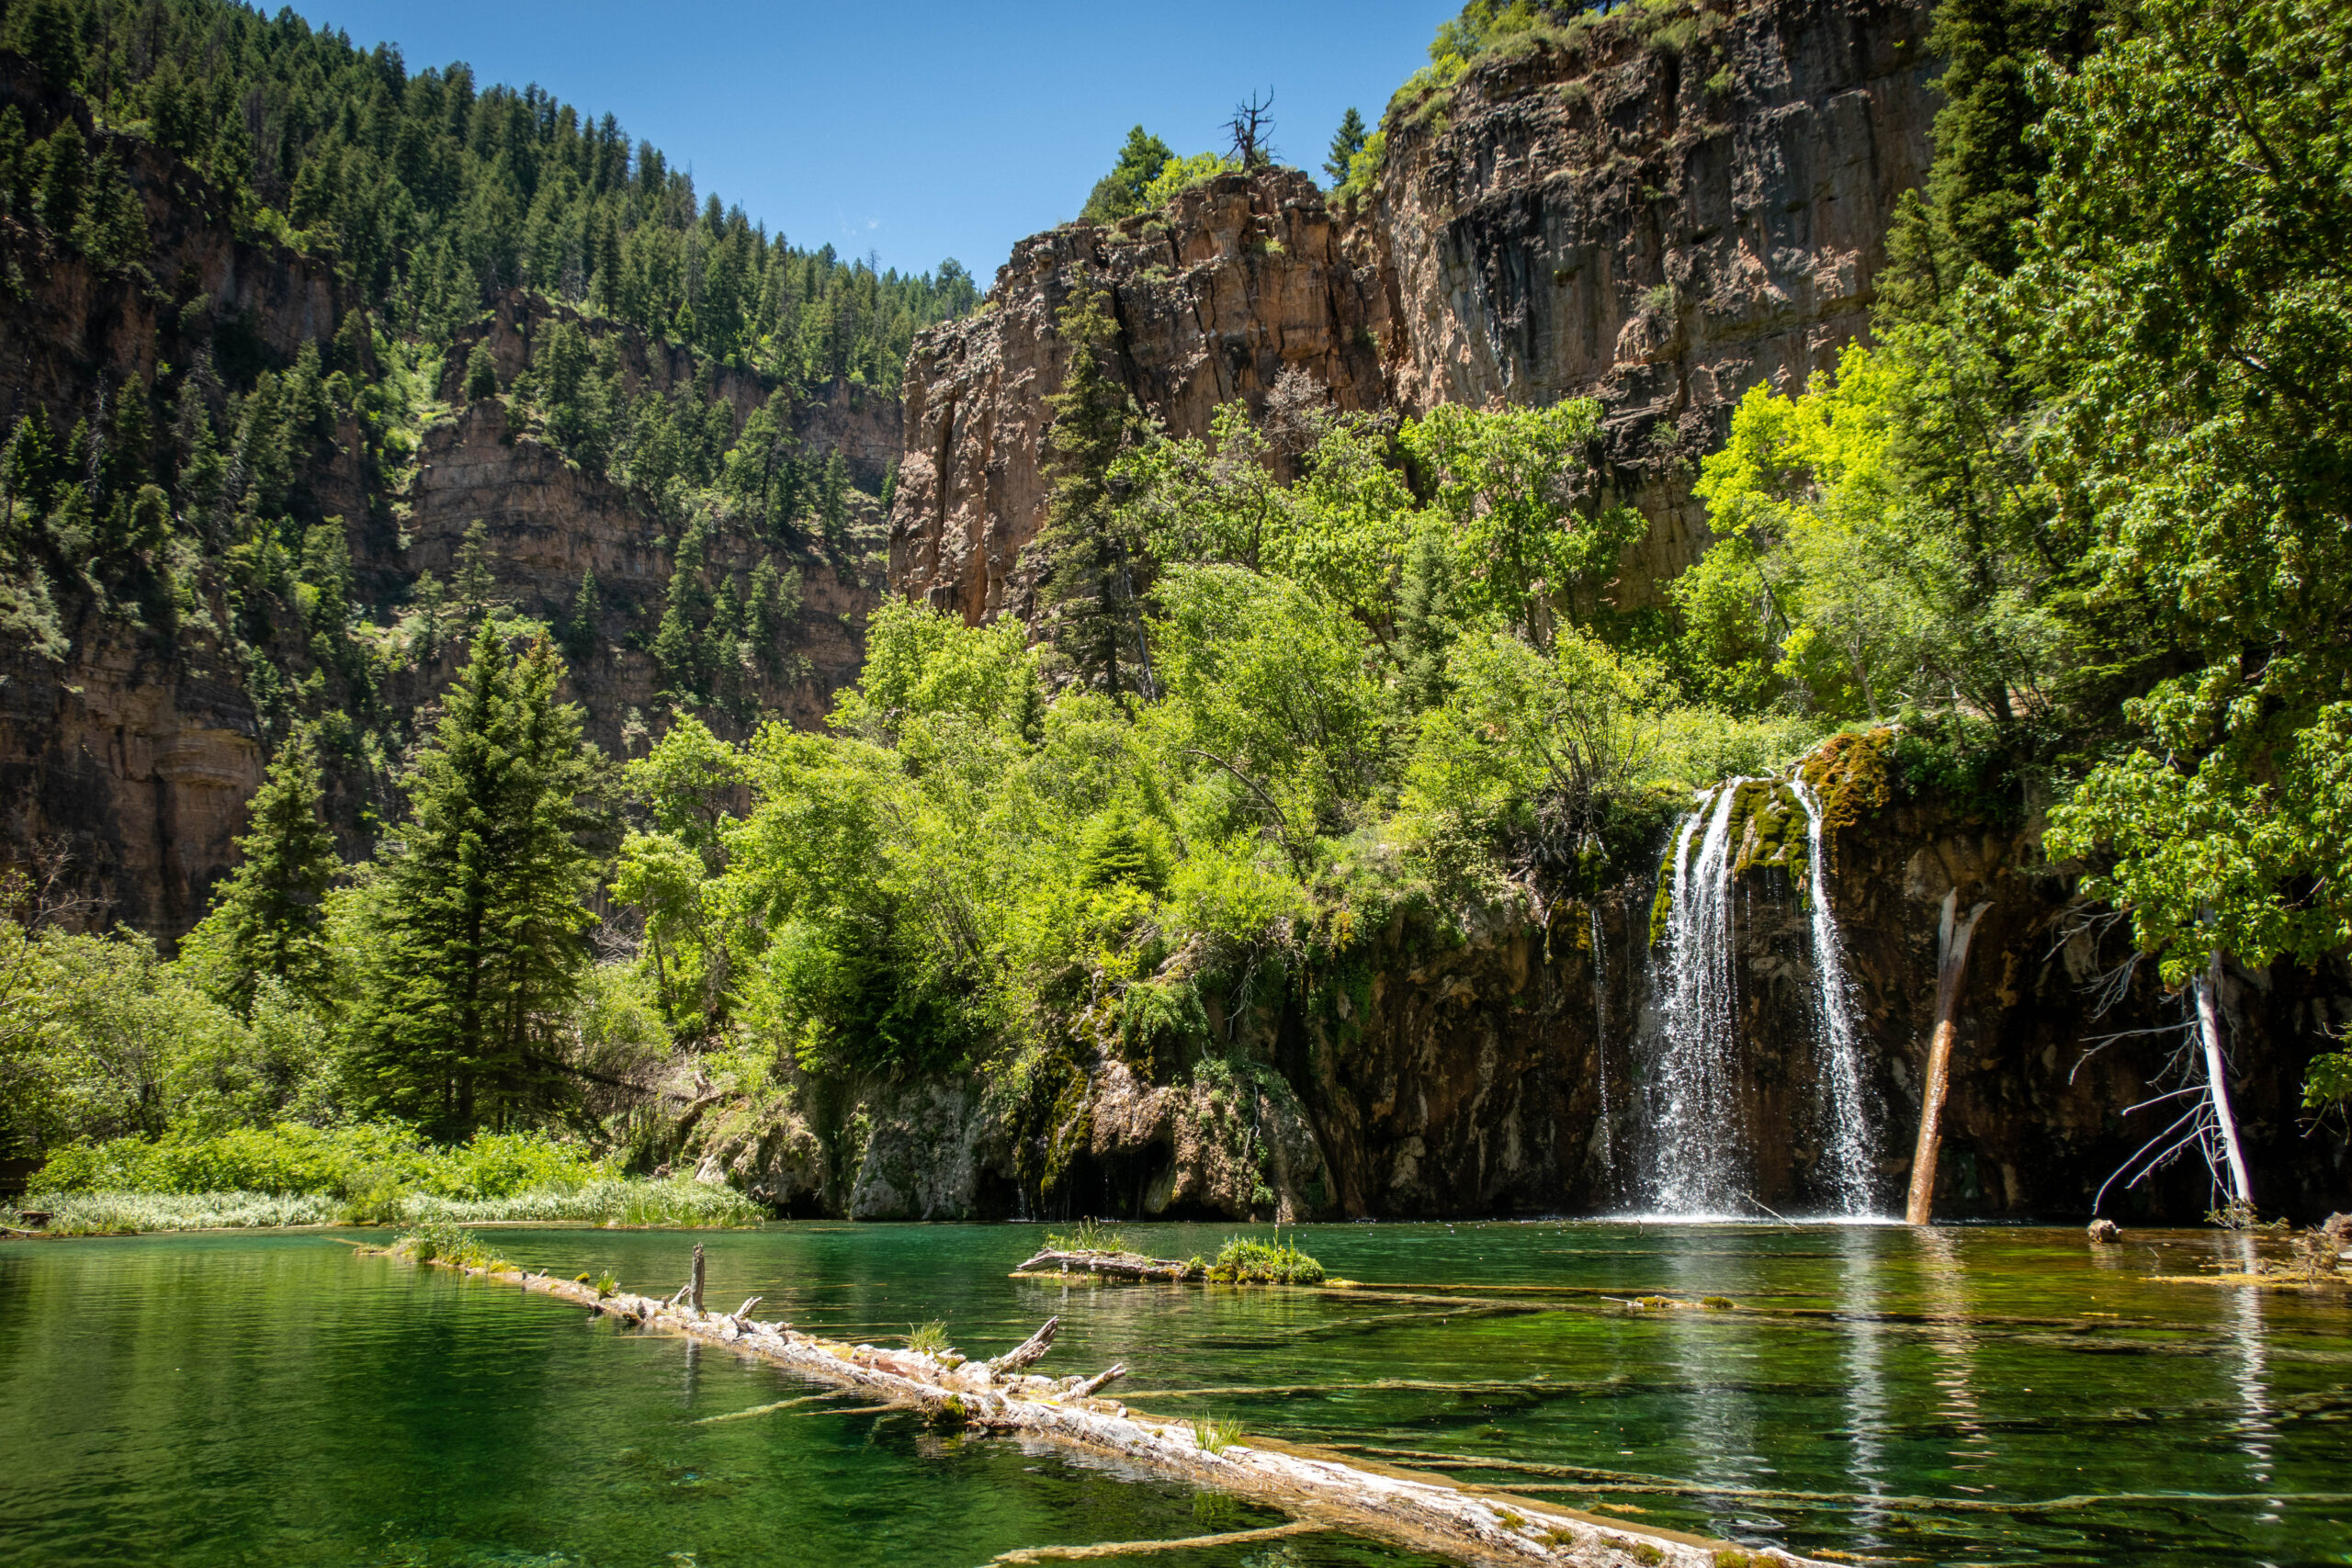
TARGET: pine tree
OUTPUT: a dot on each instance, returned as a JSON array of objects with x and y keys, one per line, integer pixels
[
  {"x": 268, "y": 916},
  {"x": 579, "y": 621},
  {"x": 473, "y": 579},
  {"x": 1088, "y": 577},
  {"x": 1120, "y": 192},
  {"x": 1345, "y": 145},
  {"x": 481, "y": 374},
  {"x": 833, "y": 501},
  {"x": 471, "y": 936}
]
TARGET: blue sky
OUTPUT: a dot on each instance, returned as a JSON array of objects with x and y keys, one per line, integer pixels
[{"x": 921, "y": 131}]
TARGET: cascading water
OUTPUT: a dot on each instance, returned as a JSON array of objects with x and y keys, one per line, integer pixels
[
  {"x": 1849, "y": 1140},
  {"x": 1693, "y": 1132},
  {"x": 1604, "y": 1131},
  {"x": 1689, "y": 1094}
]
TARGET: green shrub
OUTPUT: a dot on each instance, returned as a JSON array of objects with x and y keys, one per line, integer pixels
[
  {"x": 371, "y": 1165},
  {"x": 440, "y": 1243},
  {"x": 128, "y": 1213},
  {"x": 1246, "y": 1261}
]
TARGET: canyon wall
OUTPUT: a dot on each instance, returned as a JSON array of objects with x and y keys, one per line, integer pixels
[
  {"x": 134, "y": 753},
  {"x": 1659, "y": 218}
]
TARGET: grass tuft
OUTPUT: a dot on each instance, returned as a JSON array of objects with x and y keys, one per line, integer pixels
[
  {"x": 927, "y": 1338},
  {"x": 1244, "y": 1260},
  {"x": 1092, "y": 1236},
  {"x": 1215, "y": 1434}
]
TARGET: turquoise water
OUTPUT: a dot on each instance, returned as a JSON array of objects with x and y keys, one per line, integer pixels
[{"x": 269, "y": 1399}]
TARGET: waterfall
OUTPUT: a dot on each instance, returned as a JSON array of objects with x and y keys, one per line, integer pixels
[
  {"x": 1850, "y": 1145},
  {"x": 1691, "y": 1092},
  {"x": 1605, "y": 1142}
]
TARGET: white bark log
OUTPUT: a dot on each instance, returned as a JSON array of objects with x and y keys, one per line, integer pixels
[
  {"x": 2217, "y": 1077},
  {"x": 1419, "y": 1512}
]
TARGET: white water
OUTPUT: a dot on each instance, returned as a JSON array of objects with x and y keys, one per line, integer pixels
[
  {"x": 1693, "y": 1143},
  {"x": 1690, "y": 1094},
  {"x": 1605, "y": 1131},
  {"x": 1850, "y": 1142}
]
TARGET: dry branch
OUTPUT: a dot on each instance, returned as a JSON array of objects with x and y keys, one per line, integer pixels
[{"x": 1139, "y": 1548}]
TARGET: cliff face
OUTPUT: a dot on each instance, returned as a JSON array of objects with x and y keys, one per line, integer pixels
[
  {"x": 1239, "y": 279},
  {"x": 1657, "y": 221},
  {"x": 1658, "y": 227}
]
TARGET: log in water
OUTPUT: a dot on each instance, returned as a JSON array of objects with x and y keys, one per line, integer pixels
[{"x": 1415, "y": 1511}]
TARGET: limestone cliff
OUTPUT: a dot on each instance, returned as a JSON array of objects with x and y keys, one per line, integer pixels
[{"x": 1661, "y": 219}]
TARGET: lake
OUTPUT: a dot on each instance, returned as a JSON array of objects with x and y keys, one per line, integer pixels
[{"x": 1871, "y": 1392}]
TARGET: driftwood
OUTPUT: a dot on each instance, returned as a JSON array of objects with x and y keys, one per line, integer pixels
[
  {"x": 1115, "y": 1265},
  {"x": 1028, "y": 1351},
  {"x": 1317, "y": 1486},
  {"x": 1951, "y": 965}
]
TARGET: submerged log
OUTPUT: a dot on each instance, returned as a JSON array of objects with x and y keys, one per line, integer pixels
[
  {"x": 1417, "y": 1512},
  {"x": 1115, "y": 1265}
]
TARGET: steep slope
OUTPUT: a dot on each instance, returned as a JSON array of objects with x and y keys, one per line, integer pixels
[
  {"x": 135, "y": 724},
  {"x": 1656, "y": 216}
]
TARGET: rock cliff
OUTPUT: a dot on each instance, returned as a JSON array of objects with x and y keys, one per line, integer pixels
[
  {"x": 1238, "y": 279},
  {"x": 1656, "y": 217}
]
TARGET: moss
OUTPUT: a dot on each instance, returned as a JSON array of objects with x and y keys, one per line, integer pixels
[
  {"x": 1767, "y": 831},
  {"x": 1852, "y": 775}
]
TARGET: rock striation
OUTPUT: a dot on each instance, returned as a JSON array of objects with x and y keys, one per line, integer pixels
[{"x": 1658, "y": 216}]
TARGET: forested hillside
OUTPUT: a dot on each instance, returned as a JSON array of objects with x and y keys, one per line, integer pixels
[
  {"x": 316, "y": 362},
  {"x": 1300, "y": 841}
]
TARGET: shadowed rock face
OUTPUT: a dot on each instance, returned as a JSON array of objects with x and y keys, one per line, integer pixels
[{"x": 1659, "y": 229}]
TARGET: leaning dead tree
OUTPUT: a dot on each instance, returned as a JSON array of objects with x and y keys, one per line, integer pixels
[{"x": 1417, "y": 1512}]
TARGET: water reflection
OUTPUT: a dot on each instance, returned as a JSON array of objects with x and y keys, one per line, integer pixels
[
  {"x": 1953, "y": 1338},
  {"x": 1864, "y": 1354}
]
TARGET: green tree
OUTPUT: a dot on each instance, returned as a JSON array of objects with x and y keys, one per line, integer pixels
[
  {"x": 1120, "y": 192},
  {"x": 469, "y": 934},
  {"x": 481, "y": 374},
  {"x": 1346, "y": 142},
  {"x": 268, "y": 919},
  {"x": 1088, "y": 557},
  {"x": 2190, "y": 269}
]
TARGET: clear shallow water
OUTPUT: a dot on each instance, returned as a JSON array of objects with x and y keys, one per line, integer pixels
[{"x": 267, "y": 1399}]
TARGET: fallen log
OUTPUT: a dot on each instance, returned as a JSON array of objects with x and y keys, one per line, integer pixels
[
  {"x": 1417, "y": 1512},
  {"x": 1113, "y": 1265}
]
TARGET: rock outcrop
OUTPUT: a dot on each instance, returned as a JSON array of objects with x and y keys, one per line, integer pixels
[
  {"x": 1238, "y": 280},
  {"x": 1656, "y": 216}
]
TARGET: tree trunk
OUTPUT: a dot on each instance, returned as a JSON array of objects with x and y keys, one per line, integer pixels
[
  {"x": 1422, "y": 1513},
  {"x": 1951, "y": 964},
  {"x": 2217, "y": 1077},
  {"x": 694, "y": 1292}
]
